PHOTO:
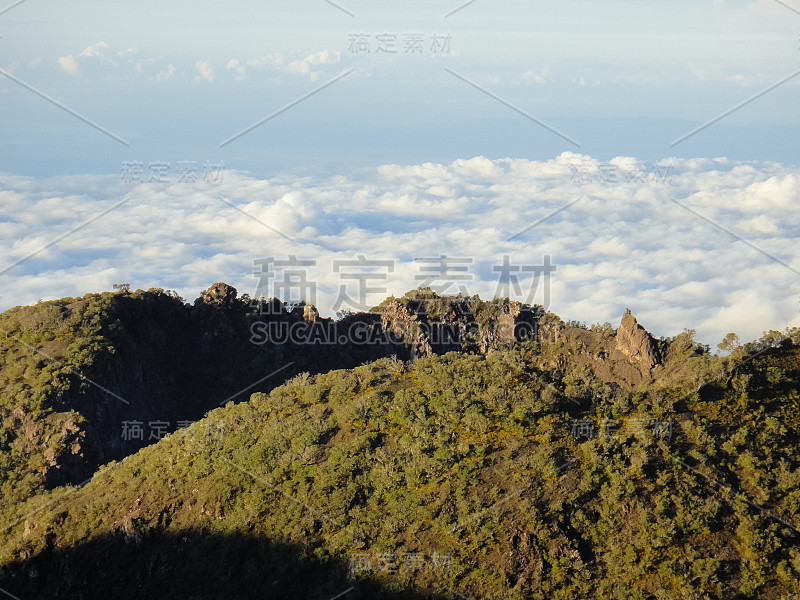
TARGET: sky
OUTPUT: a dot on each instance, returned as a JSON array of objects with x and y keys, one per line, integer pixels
[{"x": 663, "y": 134}]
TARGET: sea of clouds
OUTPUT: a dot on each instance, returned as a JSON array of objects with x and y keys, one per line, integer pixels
[{"x": 708, "y": 244}]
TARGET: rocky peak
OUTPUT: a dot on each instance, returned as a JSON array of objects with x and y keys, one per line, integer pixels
[
  {"x": 636, "y": 343},
  {"x": 310, "y": 313},
  {"x": 218, "y": 294}
]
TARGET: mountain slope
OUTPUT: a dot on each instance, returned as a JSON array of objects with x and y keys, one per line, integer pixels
[
  {"x": 523, "y": 473},
  {"x": 87, "y": 380}
]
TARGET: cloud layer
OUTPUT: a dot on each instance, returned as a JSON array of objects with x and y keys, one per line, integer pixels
[
  {"x": 100, "y": 55},
  {"x": 707, "y": 244}
]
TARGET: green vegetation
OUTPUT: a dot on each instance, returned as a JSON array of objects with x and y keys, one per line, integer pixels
[
  {"x": 37, "y": 432},
  {"x": 534, "y": 471}
]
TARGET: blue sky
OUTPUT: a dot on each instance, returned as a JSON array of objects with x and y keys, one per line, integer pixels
[
  {"x": 176, "y": 79},
  {"x": 496, "y": 116}
]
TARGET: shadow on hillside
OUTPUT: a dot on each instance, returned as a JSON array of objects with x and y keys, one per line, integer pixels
[{"x": 191, "y": 565}]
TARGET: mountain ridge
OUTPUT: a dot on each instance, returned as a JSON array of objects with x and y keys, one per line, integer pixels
[{"x": 516, "y": 462}]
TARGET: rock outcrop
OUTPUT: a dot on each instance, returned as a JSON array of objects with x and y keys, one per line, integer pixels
[
  {"x": 220, "y": 294},
  {"x": 429, "y": 324},
  {"x": 310, "y": 313},
  {"x": 403, "y": 325},
  {"x": 636, "y": 344}
]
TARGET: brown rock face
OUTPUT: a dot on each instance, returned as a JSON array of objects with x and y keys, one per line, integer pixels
[
  {"x": 310, "y": 313},
  {"x": 634, "y": 342},
  {"x": 396, "y": 319},
  {"x": 435, "y": 325},
  {"x": 517, "y": 322},
  {"x": 219, "y": 293}
]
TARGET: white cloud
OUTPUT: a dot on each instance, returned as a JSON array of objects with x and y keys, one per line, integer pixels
[
  {"x": 304, "y": 66},
  {"x": 623, "y": 244},
  {"x": 237, "y": 67},
  {"x": 205, "y": 70},
  {"x": 34, "y": 63},
  {"x": 537, "y": 77},
  {"x": 96, "y": 50},
  {"x": 166, "y": 74},
  {"x": 68, "y": 63},
  {"x": 270, "y": 60}
]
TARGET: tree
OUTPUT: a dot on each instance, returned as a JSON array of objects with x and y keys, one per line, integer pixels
[{"x": 729, "y": 343}]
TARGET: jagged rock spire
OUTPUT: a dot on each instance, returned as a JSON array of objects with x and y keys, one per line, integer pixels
[{"x": 637, "y": 344}]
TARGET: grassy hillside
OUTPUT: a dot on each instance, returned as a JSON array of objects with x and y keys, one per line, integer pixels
[{"x": 533, "y": 472}]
